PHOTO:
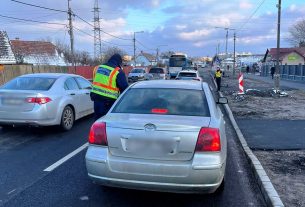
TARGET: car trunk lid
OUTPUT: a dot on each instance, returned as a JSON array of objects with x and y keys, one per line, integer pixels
[{"x": 160, "y": 137}]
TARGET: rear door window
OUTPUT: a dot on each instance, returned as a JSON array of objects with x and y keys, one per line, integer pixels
[
  {"x": 83, "y": 84},
  {"x": 71, "y": 84},
  {"x": 163, "y": 101}
]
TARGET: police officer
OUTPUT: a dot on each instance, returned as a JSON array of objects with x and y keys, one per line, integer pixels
[
  {"x": 217, "y": 77},
  {"x": 109, "y": 81}
]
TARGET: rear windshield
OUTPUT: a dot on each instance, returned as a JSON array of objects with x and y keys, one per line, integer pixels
[
  {"x": 156, "y": 70},
  {"x": 30, "y": 83},
  {"x": 191, "y": 75},
  {"x": 163, "y": 101},
  {"x": 137, "y": 71}
]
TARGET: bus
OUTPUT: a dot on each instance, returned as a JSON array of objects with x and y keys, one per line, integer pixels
[{"x": 177, "y": 62}]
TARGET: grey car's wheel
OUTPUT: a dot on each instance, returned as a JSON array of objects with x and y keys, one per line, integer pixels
[
  {"x": 221, "y": 188},
  {"x": 67, "y": 118}
]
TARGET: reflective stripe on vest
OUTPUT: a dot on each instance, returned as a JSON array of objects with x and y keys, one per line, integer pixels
[
  {"x": 218, "y": 74},
  {"x": 94, "y": 72},
  {"x": 104, "y": 82}
]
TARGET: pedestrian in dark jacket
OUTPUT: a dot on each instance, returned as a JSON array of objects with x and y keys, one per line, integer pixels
[
  {"x": 108, "y": 83},
  {"x": 272, "y": 70}
]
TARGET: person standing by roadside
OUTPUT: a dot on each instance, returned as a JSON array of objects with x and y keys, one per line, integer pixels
[
  {"x": 248, "y": 69},
  {"x": 108, "y": 83},
  {"x": 217, "y": 77},
  {"x": 272, "y": 70}
]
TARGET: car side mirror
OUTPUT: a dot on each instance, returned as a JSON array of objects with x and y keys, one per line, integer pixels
[{"x": 222, "y": 100}]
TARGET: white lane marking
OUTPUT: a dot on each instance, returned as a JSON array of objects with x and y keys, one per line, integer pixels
[
  {"x": 65, "y": 158},
  {"x": 11, "y": 191}
]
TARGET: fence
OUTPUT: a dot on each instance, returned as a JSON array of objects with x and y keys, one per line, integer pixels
[
  {"x": 8, "y": 72},
  {"x": 287, "y": 72}
]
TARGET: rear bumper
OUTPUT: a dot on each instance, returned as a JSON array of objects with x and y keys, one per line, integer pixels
[{"x": 168, "y": 176}]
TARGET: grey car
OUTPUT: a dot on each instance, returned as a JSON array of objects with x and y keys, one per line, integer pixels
[
  {"x": 161, "y": 136},
  {"x": 45, "y": 99},
  {"x": 188, "y": 75},
  {"x": 136, "y": 74},
  {"x": 157, "y": 73}
]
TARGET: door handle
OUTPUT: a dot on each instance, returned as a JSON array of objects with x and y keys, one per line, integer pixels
[
  {"x": 72, "y": 94},
  {"x": 88, "y": 93}
]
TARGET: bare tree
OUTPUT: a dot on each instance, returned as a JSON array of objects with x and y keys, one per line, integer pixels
[
  {"x": 297, "y": 34},
  {"x": 111, "y": 51}
]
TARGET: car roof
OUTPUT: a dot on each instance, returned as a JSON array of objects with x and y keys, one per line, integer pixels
[
  {"x": 50, "y": 75},
  {"x": 139, "y": 68},
  {"x": 179, "y": 84}
]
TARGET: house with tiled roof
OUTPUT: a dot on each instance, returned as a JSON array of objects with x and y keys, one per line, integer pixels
[
  {"x": 36, "y": 53},
  {"x": 6, "y": 54},
  {"x": 288, "y": 56},
  {"x": 146, "y": 59}
]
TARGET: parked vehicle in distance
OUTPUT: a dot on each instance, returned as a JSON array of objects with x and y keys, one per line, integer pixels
[
  {"x": 177, "y": 62},
  {"x": 188, "y": 75},
  {"x": 157, "y": 73},
  {"x": 136, "y": 74},
  {"x": 45, "y": 99},
  {"x": 163, "y": 136}
]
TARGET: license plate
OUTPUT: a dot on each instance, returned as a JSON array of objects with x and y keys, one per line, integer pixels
[
  {"x": 11, "y": 101},
  {"x": 149, "y": 147}
]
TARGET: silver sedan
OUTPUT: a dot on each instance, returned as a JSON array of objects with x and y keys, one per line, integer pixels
[
  {"x": 162, "y": 136},
  {"x": 45, "y": 99}
]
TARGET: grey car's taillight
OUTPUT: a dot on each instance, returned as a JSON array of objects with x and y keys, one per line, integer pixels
[
  {"x": 98, "y": 134},
  {"x": 208, "y": 140}
]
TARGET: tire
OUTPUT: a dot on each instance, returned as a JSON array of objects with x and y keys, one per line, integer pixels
[
  {"x": 221, "y": 188},
  {"x": 67, "y": 118},
  {"x": 7, "y": 127}
]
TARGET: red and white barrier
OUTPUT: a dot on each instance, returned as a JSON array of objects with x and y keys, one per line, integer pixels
[{"x": 241, "y": 84}]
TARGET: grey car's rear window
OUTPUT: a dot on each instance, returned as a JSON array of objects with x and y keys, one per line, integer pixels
[
  {"x": 163, "y": 101},
  {"x": 191, "y": 75},
  {"x": 156, "y": 70},
  {"x": 30, "y": 83}
]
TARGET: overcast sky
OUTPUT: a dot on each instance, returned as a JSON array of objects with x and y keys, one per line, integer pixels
[{"x": 184, "y": 26}]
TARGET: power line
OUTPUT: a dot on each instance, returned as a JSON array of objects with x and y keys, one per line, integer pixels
[
  {"x": 111, "y": 43},
  {"x": 144, "y": 45},
  {"x": 251, "y": 16},
  {"x": 101, "y": 29},
  {"x": 41, "y": 7},
  {"x": 30, "y": 20}
]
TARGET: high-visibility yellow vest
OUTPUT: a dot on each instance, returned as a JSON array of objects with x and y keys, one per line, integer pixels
[
  {"x": 218, "y": 74},
  {"x": 104, "y": 82}
]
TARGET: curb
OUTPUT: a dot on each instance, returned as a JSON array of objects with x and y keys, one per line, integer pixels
[{"x": 269, "y": 193}]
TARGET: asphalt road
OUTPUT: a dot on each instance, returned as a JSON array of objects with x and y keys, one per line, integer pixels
[
  {"x": 273, "y": 134},
  {"x": 26, "y": 152}
]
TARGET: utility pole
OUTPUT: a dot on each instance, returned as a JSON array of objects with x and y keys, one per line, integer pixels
[
  {"x": 134, "y": 49},
  {"x": 277, "y": 69},
  {"x": 134, "y": 46},
  {"x": 71, "y": 34},
  {"x": 97, "y": 31},
  {"x": 234, "y": 58},
  {"x": 157, "y": 56},
  {"x": 227, "y": 36}
]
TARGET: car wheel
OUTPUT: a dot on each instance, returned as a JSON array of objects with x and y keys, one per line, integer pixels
[
  {"x": 7, "y": 127},
  {"x": 67, "y": 118},
  {"x": 221, "y": 188}
]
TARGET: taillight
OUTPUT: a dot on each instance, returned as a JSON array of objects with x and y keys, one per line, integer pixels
[
  {"x": 38, "y": 100},
  {"x": 208, "y": 140},
  {"x": 159, "y": 111},
  {"x": 98, "y": 134},
  {"x": 198, "y": 79}
]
